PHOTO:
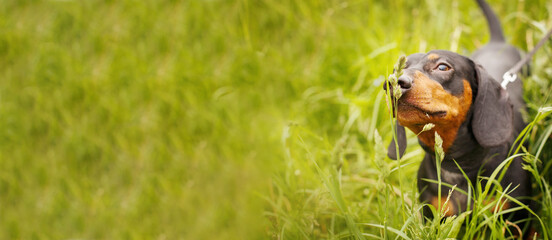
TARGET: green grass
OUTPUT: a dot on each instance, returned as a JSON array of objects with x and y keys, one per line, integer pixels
[{"x": 226, "y": 119}]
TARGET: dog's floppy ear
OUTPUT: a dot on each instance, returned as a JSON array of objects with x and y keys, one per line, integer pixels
[
  {"x": 492, "y": 121},
  {"x": 401, "y": 140}
]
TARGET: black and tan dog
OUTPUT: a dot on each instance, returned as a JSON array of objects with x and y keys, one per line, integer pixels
[{"x": 477, "y": 119}]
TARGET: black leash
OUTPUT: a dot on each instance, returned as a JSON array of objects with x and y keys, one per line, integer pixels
[{"x": 511, "y": 75}]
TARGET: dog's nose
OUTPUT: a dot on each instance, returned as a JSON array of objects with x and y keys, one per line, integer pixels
[{"x": 405, "y": 83}]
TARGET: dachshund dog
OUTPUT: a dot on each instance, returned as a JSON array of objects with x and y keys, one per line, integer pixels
[{"x": 476, "y": 118}]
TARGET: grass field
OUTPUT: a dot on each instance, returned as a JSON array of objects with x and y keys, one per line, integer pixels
[{"x": 165, "y": 119}]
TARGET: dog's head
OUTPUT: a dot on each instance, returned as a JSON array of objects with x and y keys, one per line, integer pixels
[{"x": 450, "y": 91}]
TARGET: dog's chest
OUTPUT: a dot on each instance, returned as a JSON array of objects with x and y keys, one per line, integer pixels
[{"x": 452, "y": 178}]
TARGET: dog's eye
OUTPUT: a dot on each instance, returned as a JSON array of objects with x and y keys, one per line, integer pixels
[{"x": 442, "y": 67}]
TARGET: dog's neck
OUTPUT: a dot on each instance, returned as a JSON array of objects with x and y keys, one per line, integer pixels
[{"x": 465, "y": 150}]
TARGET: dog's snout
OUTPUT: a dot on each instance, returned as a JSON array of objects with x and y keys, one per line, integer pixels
[{"x": 405, "y": 83}]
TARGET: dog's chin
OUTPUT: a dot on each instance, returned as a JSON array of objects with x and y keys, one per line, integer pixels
[{"x": 410, "y": 114}]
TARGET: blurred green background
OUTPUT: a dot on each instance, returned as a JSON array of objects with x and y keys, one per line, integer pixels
[{"x": 165, "y": 119}]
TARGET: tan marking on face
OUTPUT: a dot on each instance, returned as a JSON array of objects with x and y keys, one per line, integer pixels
[
  {"x": 426, "y": 96},
  {"x": 441, "y": 204},
  {"x": 433, "y": 56}
]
